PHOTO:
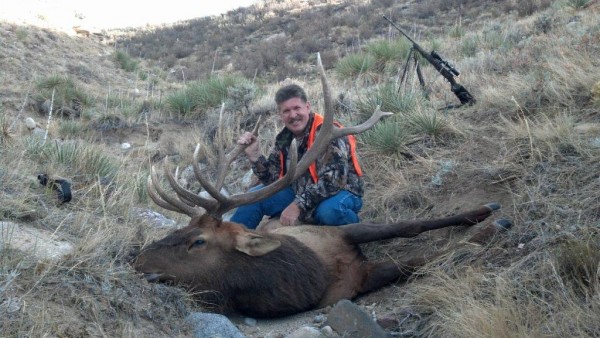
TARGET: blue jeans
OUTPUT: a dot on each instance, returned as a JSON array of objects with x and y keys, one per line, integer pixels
[{"x": 341, "y": 208}]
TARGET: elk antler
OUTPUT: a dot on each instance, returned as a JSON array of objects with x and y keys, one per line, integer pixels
[{"x": 188, "y": 203}]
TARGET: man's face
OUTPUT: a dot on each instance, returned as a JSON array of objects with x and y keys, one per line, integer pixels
[{"x": 294, "y": 114}]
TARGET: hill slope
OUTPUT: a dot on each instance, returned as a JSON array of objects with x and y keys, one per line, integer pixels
[{"x": 531, "y": 143}]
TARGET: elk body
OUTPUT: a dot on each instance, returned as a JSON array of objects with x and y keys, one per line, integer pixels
[{"x": 286, "y": 270}]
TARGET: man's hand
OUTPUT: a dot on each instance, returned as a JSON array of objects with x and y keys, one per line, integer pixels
[
  {"x": 289, "y": 215},
  {"x": 251, "y": 141}
]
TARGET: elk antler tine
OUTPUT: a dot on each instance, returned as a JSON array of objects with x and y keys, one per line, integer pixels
[
  {"x": 240, "y": 147},
  {"x": 224, "y": 164},
  {"x": 220, "y": 141},
  {"x": 175, "y": 202},
  {"x": 185, "y": 195},
  {"x": 368, "y": 124},
  {"x": 257, "y": 125},
  {"x": 210, "y": 189},
  {"x": 159, "y": 201},
  {"x": 327, "y": 98},
  {"x": 272, "y": 188}
]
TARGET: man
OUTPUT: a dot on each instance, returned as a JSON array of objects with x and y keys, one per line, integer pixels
[{"x": 329, "y": 193}]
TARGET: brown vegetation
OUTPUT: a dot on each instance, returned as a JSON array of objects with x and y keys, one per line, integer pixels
[{"x": 531, "y": 143}]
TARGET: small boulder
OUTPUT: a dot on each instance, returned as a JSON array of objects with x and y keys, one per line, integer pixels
[
  {"x": 349, "y": 320},
  {"x": 212, "y": 325}
]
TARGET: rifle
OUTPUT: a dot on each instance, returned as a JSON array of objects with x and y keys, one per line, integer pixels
[{"x": 442, "y": 66}]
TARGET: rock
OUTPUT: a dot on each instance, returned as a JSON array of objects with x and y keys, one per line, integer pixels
[
  {"x": 40, "y": 243},
  {"x": 349, "y": 320},
  {"x": 446, "y": 166},
  {"x": 155, "y": 219},
  {"x": 306, "y": 332},
  {"x": 327, "y": 331},
  {"x": 30, "y": 123},
  {"x": 319, "y": 319},
  {"x": 388, "y": 321},
  {"x": 250, "y": 321},
  {"x": 212, "y": 325}
]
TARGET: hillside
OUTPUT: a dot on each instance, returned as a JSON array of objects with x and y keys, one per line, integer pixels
[{"x": 121, "y": 104}]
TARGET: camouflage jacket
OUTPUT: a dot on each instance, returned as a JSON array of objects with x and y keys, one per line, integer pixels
[{"x": 334, "y": 169}]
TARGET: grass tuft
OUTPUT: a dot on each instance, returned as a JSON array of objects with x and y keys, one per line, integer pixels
[
  {"x": 386, "y": 138},
  {"x": 357, "y": 67}
]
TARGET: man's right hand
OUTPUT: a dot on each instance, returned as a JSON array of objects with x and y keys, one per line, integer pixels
[{"x": 252, "y": 149}]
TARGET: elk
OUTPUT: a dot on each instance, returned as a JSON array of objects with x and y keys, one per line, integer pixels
[{"x": 285, "y": 270}]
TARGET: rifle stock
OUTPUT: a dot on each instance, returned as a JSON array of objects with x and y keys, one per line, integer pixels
[{"x": 442, "y": 66}]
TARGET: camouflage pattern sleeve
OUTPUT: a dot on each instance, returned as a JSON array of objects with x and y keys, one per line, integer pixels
[{"x": 267, "y": 169}]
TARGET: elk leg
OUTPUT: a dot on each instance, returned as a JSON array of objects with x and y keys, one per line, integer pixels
[
  {"x": 379, "y": 274},
  {"x": 368, "y": 232}
]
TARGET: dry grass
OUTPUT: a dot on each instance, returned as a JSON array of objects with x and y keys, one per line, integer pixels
[{"x": 520, "y": 145}]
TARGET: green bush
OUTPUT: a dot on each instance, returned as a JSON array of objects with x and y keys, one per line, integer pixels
[
  {"x": 211, "y": 93},
  {"x": 81, "y": 158},
  {"x": 70, "y": 129},
  {"x": 469, "y": 45},
  {"x": 388, "y": 137},
  {"x": 125, "y": 61},
  {"x": 428, "y": 122},
  {"x": 389, "y": 98},
  {"x": 577, "y": 4},
  {"x": 388, "y": 53},
  {"x": 67, "y": 96},
  {"x": 240, "y": 95},
  {"x": 180, "y": 102},
  {"x": 359, "y": 66},
  {"x": 457, "y": 31}
]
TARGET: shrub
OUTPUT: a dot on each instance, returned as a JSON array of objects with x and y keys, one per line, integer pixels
[
  {"x": 68, "y": 98},
  {"x": 208, "y": 94},
  {"x": 469, "y": 45},
  {"x": 240, "y": 95},
  {"x": 457, "y": 31},
  {"x": 388, "y": 137},
  {"x": 70, "y": 129},
  {"x": 428, "y": 122},
  {"x": 359, "y": 66},
  {"x": 388, "y": 97},
  {"x": 81, "y": 158},
  {"x": 387, "y": 52},
  {"x": 595, "y": 92},
  {"x": 577, "y": 4},
  {"x": 180, "y": 102},
  {"x": 578, "y": 262},
  {"x": 125, "y": 61},
  {"x": 6, "y": 135}
]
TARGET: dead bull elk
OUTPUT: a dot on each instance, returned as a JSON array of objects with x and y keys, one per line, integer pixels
[{"x": 290, "y": 269}]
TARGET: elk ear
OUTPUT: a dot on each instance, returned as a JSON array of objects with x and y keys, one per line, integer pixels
[{"x": 255, "y": 245}]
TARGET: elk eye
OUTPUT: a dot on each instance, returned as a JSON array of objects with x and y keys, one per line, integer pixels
[{"x": 198, "y": 242}]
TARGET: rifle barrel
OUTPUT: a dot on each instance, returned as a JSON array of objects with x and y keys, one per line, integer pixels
[{"x": 400, "y": 30}]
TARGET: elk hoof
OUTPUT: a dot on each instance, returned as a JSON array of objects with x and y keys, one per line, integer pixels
[
  {"x": 493, "y": 206},
  {"x": 503, "y": 224}
]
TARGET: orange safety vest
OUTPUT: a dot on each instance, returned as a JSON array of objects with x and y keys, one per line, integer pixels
[{"x": 317, "y": 121}]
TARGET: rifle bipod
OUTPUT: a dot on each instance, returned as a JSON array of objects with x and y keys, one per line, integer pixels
[{"x": 412, "y": 54}]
